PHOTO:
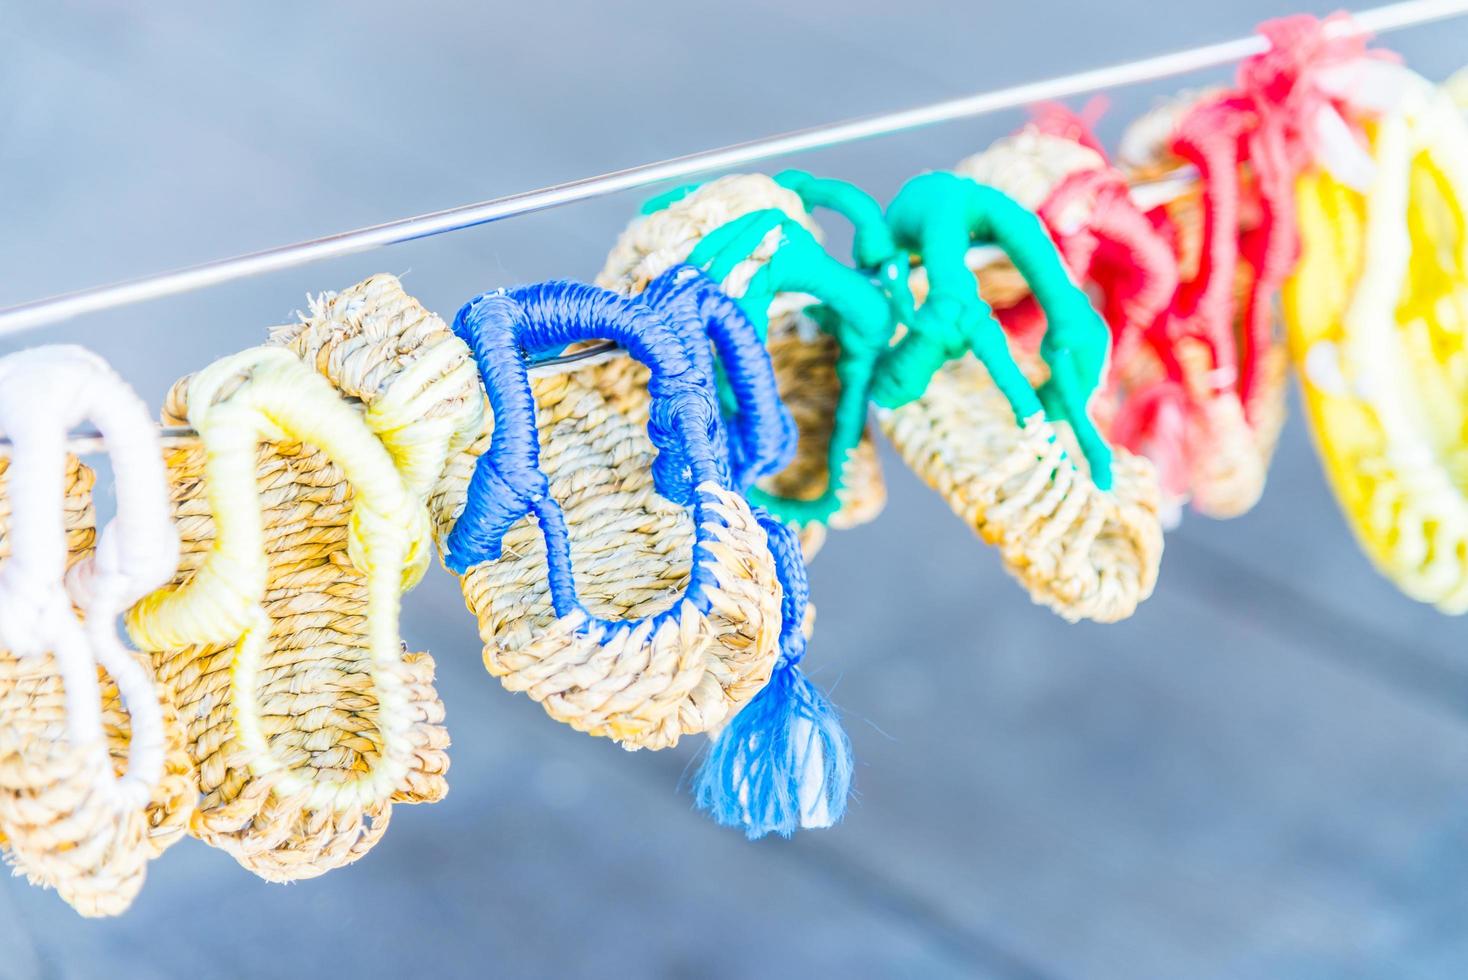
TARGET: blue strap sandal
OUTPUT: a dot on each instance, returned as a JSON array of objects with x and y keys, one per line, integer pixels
[{"x": 617, "y": 575}]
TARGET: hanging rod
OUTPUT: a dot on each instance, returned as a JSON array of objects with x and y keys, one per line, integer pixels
[
  {"x": 36, "y": 313},
  {"x": 90, "y": 442}
]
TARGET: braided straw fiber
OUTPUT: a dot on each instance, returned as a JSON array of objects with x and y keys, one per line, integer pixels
[
  {"x": 632, "y": 551},
  {"x": 1083, "y": 552},
  {"x": 1028, "y": 165},
  {"x": 804, "y": 358},
  {"x": 53, "y": 828},
  {"x": 1227, "y": 455},
  {"x": 329, "y": 714}
]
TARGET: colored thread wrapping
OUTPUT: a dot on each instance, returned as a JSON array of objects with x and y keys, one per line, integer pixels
[
  {"x": 93, "y": 779},
  {"x": 305, "y": 717},
  {"x": 939, "y": 216},
  {"x": 776, "y": 782},
  {"x": 418, "y": 383},
  {"x": 1187, "y": 413},
  {"x": 852, "y": 309},
  {"x": 784, "y": 761},
  {"x": 761, "y": 435}
]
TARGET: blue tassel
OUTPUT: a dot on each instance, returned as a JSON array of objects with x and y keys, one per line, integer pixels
[{"x": 782, "y": 763}]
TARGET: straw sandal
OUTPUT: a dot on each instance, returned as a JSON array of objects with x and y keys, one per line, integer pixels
[
  {"x": 1055, "y": 168},
  {"x": 806, "y": 358},
  {"x": 94, "y": 781},
  {"x": 616, "y": 575},
  {"x": 305, "y": 717},
  {"x": 1376, "y": 312},
  {"x": 1079, "y": 529},
  {"x": 671, "y": 639}
]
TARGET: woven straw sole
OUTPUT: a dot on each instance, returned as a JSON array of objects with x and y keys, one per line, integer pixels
[
  {"x": 1083, "y": 552},
  {"x": 632, "y": 551},
  {"x": 55, "y": 829}
]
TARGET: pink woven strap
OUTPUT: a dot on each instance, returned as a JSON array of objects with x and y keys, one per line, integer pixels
[
  {"x": 1272, "y": 122},
  {"x": 1119, "y": 250}
]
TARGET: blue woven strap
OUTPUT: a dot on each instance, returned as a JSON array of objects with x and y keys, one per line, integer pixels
[
  {"x": 762, "y": 434},
  {"x": 508, "y": 327},
  {"x": 794, "y": 585}
]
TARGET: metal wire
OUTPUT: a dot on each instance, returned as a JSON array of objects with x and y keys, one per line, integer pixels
[{"x": 38, "y": 313}]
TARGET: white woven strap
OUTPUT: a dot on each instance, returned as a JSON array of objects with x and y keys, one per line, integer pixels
[{"x": 44, "y": 393}]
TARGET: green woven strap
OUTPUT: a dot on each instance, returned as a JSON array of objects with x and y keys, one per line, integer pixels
[
  {"x": 859, "y": 319},
  {"x": 939, "y": 216},
  {"x": 872, "y": 245},
  {"x": 873, "y": 248}
]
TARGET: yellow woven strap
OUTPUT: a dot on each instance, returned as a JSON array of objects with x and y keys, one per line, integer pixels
[
  {"x": 267, "y": 394},
  {"x": 1376, "y": 314}
]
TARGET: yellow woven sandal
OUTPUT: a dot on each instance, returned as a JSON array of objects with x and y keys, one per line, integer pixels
[
  {"x": 1026, "y": 469},
  {"x": 1377, "y": 312},
  {"x": 305, "y": 717},
  {"x": 94, "y": 781},
  {"x": 672, "y": 620},
  {"x": 804, "y": 357}
]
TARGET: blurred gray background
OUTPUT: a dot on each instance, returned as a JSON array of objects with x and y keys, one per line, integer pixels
[{"x": 1262, "y": 774}]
